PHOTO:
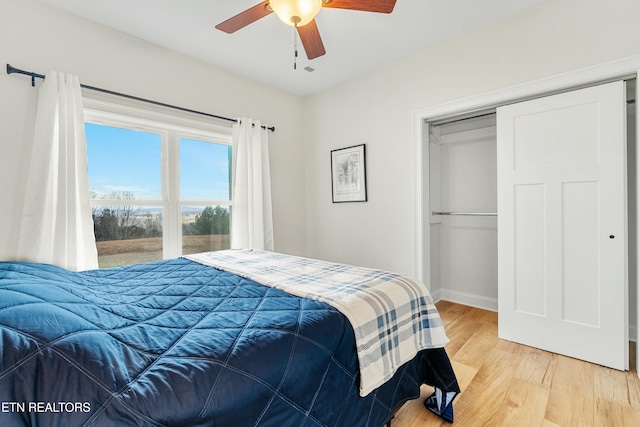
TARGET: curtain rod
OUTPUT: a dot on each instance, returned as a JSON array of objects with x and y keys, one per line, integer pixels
[{"x": 34, "y": 76}]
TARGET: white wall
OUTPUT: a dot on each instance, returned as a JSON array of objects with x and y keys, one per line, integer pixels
[
  {"x": 37, "y": 38},
  {"x": 376, "y": 109}
]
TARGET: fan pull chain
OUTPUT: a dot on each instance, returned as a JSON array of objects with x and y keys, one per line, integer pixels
[{"x": 295, "y": 46}]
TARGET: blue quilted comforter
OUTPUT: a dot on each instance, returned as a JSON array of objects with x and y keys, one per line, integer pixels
[{"x": 177, "y": 343}]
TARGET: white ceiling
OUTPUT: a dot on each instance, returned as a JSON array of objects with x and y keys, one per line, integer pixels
[{"x": 356, "y": 42}]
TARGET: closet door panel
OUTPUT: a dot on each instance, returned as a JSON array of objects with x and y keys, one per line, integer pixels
[
  {"x": 530, "y": 251},
  {"x": 562, "y": 247},
  {"x": 557, "y": 138},
  {"x": 580, "y": 282}
]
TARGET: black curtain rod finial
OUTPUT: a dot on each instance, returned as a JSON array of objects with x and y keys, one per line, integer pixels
[
  {"x": 272, "y": 128},
  {"x": 11, "y": 69}
]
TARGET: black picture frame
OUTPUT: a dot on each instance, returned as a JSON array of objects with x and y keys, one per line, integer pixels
[{"x": 348, "y": 174}]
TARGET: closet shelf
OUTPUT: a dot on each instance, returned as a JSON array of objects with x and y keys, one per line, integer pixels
[{"x": 466, "y": 213}]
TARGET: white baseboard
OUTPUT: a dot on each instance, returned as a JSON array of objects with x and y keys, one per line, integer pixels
[
  {"x": 465, "y": 298},
  {"x": 437, "y": 295}
]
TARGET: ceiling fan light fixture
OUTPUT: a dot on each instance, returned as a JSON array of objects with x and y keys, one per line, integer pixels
[{"x": 296, "y": 13}]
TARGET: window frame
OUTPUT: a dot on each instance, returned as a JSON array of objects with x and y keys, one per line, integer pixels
[{"x": 171, "y": 128}]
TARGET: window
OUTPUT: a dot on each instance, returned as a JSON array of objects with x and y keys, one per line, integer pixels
[
  {"x": 160, "y": 185},
  {"x": 205, "y": 175}
]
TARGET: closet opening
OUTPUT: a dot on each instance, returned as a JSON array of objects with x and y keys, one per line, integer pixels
[{"x": 463, "y": 209}]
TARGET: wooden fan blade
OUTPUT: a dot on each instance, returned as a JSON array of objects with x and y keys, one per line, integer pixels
[
  {"x": 380, "y": 6},
  {"x": 311, "y": 40},
  {"x": 245, "y": 18}
]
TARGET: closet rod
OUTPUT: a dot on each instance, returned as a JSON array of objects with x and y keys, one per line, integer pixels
[
  {"x": 34, "y": 76},
  {"x": 466, "y": 213}
]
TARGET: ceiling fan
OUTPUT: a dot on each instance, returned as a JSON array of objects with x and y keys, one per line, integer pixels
[{"x": 301, "y": 15}]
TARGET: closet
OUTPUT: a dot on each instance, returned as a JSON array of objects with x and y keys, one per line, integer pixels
[
  {"x": 463, "y": 209},
  {"x": 565, "y": 243}
]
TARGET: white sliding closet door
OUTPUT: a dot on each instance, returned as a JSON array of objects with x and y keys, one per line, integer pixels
[{"x": 562, "y": 226}]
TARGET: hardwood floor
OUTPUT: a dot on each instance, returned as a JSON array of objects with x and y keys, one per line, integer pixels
[{"x": 508, "y": 384}]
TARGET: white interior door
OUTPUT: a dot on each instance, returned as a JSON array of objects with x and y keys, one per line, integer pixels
[{"x": 562, "y": 225}]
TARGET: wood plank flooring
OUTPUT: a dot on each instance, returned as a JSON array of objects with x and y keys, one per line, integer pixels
[{"x": 508, "y": 384}]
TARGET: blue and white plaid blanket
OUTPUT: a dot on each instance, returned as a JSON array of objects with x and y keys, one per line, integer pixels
[{"x": 393, "y": 316}]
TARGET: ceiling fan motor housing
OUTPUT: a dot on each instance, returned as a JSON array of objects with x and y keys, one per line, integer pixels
[{"x": 296, "y": 12}]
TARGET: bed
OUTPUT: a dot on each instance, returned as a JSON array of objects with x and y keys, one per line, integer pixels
[{"x": 181, "y": 342}]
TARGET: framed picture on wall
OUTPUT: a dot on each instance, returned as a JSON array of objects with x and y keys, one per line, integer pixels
[{"x": 348, "y": 174}]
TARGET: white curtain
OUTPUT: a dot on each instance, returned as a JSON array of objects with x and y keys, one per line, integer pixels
[
  {"x": 57, "y": 226},
  {"x": 252, "y": 220}
]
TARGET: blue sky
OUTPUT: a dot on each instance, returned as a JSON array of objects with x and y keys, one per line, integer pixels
[{"x": 129, "y": 160}]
